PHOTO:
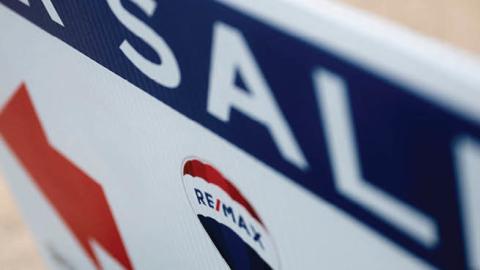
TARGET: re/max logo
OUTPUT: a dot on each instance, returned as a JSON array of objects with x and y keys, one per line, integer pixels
[{"x": 206, "y": 199}]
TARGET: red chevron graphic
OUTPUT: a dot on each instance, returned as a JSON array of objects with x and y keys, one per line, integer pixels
[{"x": 77, "y": 198}]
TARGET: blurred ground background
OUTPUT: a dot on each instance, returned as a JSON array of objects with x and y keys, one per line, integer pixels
[
  {"x": 17, "y": 250},
  {"x": 456, "y": 22}
]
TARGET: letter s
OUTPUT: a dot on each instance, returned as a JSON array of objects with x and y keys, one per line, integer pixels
[{"x": 167, "y": 73}]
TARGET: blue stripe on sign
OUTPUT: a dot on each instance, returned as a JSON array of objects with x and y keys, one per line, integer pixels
[{"x": 403, "y": 142}]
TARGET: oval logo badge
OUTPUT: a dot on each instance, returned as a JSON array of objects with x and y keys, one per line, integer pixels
[{"x": 229, "y": 219}]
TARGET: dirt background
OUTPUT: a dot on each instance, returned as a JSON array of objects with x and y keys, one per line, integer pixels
[
  {"x": 17, "y": 250},
  {"x": 456, "y": 22}
]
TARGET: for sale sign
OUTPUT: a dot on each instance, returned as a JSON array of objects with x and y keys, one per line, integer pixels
[{"x": 237, "y": 134}]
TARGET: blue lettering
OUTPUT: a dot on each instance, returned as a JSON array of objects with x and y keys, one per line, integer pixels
[
  {"x": 241, "y": 224},
  {"x": 227, "y": 210},
  {"x": 209, "y": 200},
  {"x": 199, "y": 194}
]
